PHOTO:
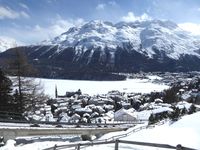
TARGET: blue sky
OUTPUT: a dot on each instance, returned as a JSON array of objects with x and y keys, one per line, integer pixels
[{"x": 31, "y": 21}]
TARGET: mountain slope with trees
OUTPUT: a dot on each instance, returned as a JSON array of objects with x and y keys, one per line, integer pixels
[{"x": 96, "y": 49}]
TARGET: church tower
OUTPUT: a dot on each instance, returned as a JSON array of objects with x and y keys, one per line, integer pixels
[{"x": 56, "y": 91}]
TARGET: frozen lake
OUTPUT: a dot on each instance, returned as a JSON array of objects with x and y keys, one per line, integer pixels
[{"x": 100, "y": 87}]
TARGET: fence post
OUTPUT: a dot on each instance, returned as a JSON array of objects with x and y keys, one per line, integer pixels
[
  {"x": 179, "y": 147},
  {"x": 55, "y": 146},
  {"x": 116, "y": 144},
  {"x": 78, "y": 147}
]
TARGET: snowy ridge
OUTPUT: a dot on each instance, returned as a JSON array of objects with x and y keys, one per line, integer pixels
[
  {"x": 6, "y": 43},
  {"x": 150, "y": 45},
  {"x": 146, "y": 37}
]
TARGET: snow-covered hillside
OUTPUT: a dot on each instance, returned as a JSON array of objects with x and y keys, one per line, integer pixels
[
  {"x": 143, "y": 36},
  {"x": 6, "y": 43},
  {"x": 185, "y": 132}
]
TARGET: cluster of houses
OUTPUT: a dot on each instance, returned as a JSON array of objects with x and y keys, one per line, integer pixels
[
  {"x": 75, "y": 107},
  {"x": 189, "y": 83}
]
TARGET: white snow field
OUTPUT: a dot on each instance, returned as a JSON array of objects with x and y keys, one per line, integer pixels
[
  {"x": 186, "y": 132},
  {"x": 100, "y": 87}
]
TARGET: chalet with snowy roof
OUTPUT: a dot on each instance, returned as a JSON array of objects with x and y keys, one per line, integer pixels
[{"x": 124, "y": 115}]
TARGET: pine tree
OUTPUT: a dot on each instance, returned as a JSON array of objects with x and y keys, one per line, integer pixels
[
  {"x": 174, "y": 116},
  {"x": 152, "y": 119},
  {"x": 5, "y": 92},
  {"x": 192, "y": 109},
  {"x": 170, "y": 95},
  {"x": 184, "y": 111}
]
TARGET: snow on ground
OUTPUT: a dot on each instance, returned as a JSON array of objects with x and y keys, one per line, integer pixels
[
  {"x": 33, "y": 146},
  {"x": 186, "y": 132},
  {"x": 100, "y": 87},
  {"x": 154, "y": 77}
]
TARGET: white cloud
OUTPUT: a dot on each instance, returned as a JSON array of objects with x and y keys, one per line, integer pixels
[
  {"x": 38, "y": 33},
  {"x": 6, "y": 12},
  {"x": 112, "y": 3},
  {"x": 24, "y": 14},
  {"x": 191, "y": 27},
  {"x": 61, "y": 25},
  {"x": 101, "y": 6},
  {"x": 130, "y": 17},
  {"x": 24, "y": 6},
  {"x": 51, "y": 1}
]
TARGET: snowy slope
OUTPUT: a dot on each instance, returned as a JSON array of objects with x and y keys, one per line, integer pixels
[
  {"x": 143, "y": 36},
  {"x": 6, "y": 43},
  {"x": 185, "y": 132}
]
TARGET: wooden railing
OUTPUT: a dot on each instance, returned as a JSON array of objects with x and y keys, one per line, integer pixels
[
  {"x": 115, "y": 140},
  {"x": 116, "y": 145}
]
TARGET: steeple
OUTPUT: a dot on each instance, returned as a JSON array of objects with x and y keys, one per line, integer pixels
[{"x": 56, "y": 91}]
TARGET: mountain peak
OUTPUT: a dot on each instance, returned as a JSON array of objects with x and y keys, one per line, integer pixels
[
  {"x": 146, "y": 37},
  {"x": 6, "y": 43},
  {"x": 151, "y": 45}
]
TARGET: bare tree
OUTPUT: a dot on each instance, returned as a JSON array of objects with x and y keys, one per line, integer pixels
[{"x": 29, "y": 92}]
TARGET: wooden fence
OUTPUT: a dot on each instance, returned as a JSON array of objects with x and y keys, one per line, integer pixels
[
  {"x": 116, "y": 143},
  {"x": 115, "y": 140}
]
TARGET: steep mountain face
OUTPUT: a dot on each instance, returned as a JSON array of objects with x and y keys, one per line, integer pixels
[
  {"x": 6, "y": 43},
  {"x": 99, "y": 46},
  {"x": 147, "y": 37}
]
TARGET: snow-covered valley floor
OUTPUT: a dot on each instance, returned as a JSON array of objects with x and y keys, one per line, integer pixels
[
  {"x": 185, "y": 131},
  {"x": 100, "y": 87}
]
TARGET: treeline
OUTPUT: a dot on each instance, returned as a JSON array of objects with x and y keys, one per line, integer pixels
[
  {"x": 64, "y": 66},
  {"x": 175, "y": 115},
  {"x": 173, "y": 94}
]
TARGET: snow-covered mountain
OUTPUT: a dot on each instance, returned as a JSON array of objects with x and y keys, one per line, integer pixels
[
  {"x": 6, "y": 43},
  {"x": 143, "y": 37},
  {"x": 99, "y": 46}
]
